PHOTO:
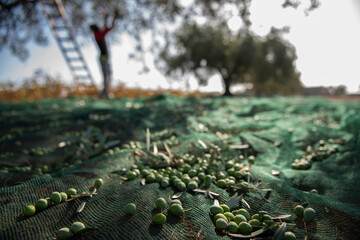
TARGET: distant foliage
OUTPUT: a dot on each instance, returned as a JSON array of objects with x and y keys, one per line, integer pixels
[{"x": 268, "y": 64}]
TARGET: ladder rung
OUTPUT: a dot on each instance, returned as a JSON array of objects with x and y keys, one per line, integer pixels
[
  {"x": 70, "y": 49},
  {"x": 78, "y": 67},
  {"x": 66, "y": 39},
  {"x": 75, "y": 59}
]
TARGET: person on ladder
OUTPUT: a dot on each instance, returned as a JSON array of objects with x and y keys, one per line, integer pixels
[{"x": 99, "y": 34}]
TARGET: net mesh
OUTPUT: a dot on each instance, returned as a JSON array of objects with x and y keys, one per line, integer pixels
[{"x": 80, "y": 140}]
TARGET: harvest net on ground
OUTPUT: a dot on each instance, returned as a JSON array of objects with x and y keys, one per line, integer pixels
[{"x": 270, "y": 152}]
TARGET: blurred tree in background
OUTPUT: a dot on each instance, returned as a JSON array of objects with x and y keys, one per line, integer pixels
[
  {"x": 268, "y": 64},
  {"x": 274, "y": 71}
]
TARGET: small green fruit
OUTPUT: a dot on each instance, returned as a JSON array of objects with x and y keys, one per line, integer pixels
[
  {"x": 41, "y": 204},
  {"x": 192, "y": 185},
  {"x": 207, "y": 180},
  {"x": 63, "y": 234},
  {"x": 309, "y": 214},
  {"x": 214, "y": 209},
  {"x": 221, "y": 183},
  {"x": 201, "y": 176},
  {"x": 225, "y": 207},
  {"x": 233, "y": 227},
  {"x": 164, "y": 183},
  {"x": 185, "y": 178},
  {"x": 161, "y": 203},
  {"x": 245, "y": 228},
  {"x": 29, "y": 211},
  {"x": 55, "y": 197},
  {"x": 221, "y": 175},
  {"x": 181, "y": 186},
  {"x": 289, "y": 236},
  {"x": 98, "y": 182},
  {"x": 150, "y": 178},
  {"x": 229, "y": 216},
  {"x": 255, "y": 223},
  {"x": 192, "y": 173},
  {"x": 131, "y": 175},
  {"x": 159, "y": 219},
  {"x": 244, "y": 212},
  {"x": 257, "y": 216},
  {"x": 267, "y": 218},
  {"x": 177, "y": 210},
  {"x": 130, "y": 209},
  {"x": 49, "y": 202},
  {"x": 77, "y": 227},
  {"x": 63, "y": 196},
  {"x": 175, "y": 201},
  {"x": 220, "y": 215},
  {"x": 299, "y": 211},
  {"x": 145, "y": 172},
  {"x": 240, "y": 218},
  {"x": 221, "y": 224},
  {"x": 71, "y": 192}
]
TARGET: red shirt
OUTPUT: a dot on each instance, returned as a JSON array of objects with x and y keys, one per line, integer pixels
[
  {"x": 100, "y": 40},
  {"x": 101, "y": 34}
]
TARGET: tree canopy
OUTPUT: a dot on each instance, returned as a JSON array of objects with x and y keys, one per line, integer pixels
[
  {"x": 268, "y": 64},
  {"x": 22, "y": 21}
]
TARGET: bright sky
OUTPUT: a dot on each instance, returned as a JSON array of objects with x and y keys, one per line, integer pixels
[{"x": 326, "y": 41}]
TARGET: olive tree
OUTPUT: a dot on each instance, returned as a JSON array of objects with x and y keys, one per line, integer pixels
[{"x": 243, "y": 57}]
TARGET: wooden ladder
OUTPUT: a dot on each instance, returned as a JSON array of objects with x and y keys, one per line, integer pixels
[{"x": 70, "y": 49}]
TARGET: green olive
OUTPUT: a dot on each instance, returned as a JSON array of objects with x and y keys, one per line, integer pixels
[
  {"x": 71, "y": 192},
  {"x": 192, "y": 185},
  {"x": 160, "y": 203},
  {"x": 220, "y": 215},
  {"x": 159, "y": 219},
  {"x": 245, "y": 228},
  {"x": 233, "y": 227},
  {"x": 229, "y": 216},
  {"x": 29, "y": 211},
  {"x": 214, "y": 209},
  {"x": 63, "y": 234},
  {"x": 77, "y": 227},
  {"x": 299, "y": 211},
  {"x": 221, "y": 183},
  {"x": 176, "y": 209},
  {"x": 225, "y": 207},
  {"x": 55, "y": 197},
  {"x": 289, "y": 236},
  {"x": 244, "y": 212},
  {"x": 130, "y": 209},
  {"x": 221, "y": 224},
  {"x": 309, "y": 214},
  {"x": 240, "y": 218},
  {"x": 41, "y": 204}
]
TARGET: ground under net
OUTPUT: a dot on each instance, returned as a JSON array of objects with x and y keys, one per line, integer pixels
[{"x": 54, "y": 145}]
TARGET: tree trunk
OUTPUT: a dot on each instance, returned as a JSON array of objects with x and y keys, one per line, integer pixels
[{"x": 227, "y": 83}]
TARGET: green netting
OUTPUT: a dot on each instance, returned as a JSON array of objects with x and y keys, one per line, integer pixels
[{"x": 80, "y": 140}]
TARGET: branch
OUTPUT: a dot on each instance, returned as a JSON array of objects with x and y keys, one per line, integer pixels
[{"x": 9, "y": 6}]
